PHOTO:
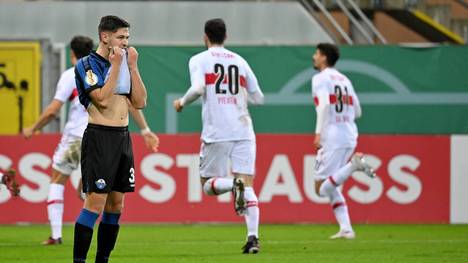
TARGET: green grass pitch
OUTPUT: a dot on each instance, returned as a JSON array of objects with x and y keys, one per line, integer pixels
[{"x": 222, "y": 243}]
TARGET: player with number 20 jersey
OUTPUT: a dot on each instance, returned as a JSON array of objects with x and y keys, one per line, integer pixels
[{"x": 226, "y": 84}]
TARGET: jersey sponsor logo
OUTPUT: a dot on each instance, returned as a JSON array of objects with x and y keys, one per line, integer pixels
[
  {"x": 91, "y": 78},
  {"x": 100, "y": 184}
]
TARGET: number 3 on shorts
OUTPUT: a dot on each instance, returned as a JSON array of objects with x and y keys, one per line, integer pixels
[{"x": 132, "y": 176}]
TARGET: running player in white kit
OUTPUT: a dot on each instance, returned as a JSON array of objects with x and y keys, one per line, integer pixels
[
  {"x": 226, "y": 84},
  {"x": 337, "y": 106},
  {"x": 66, "y": 158}
]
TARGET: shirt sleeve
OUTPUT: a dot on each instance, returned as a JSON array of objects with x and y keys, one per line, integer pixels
[
  {"x": 251, "y": 79},
  {"x": 65, "y": 86},
  {"x": 356, "y": 104},
  {"x": 321, "y": 101},
  {"x": 88, "y": 76},
  {"x": 197, "y": 76}
]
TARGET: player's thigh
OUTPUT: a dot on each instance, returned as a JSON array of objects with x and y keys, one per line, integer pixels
[
  {"x": 66, "y": 158},
  {"x": 125, "y": 177},
  {"x": 214, "y": 158},
  {"x": 243, "y": 157},
  {"x": 328, "y": 161}
]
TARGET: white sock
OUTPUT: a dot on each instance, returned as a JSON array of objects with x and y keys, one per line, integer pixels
[
  {"x": 340, "y": 209},
  {"x": 218, "y": 185},
  {"x": 253, "y": 213},
  {"x": 55, "y": 209},
  {"x": 342, "y": 174}
]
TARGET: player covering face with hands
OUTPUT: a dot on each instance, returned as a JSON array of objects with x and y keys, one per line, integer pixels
[{"x": 109, "y": 85}]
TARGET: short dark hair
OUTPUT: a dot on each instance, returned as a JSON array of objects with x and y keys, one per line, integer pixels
[
  {"x": 111, "y": 24},
  {"x": 81, "y": 46},
  {"x": 215, "y": 30},
  {"x": 331, "y": 51}
]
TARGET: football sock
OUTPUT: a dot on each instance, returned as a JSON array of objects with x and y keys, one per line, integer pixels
[
  {"x": 107, "y": 236},
  {"x": 55, "y": 209},
  {"x": 253, "y": 213},
  {"x": 336, "y": 180},
  {"x": 340, "y": 209},
  {"x": 218, "y": 185},
  {"x": 83, "y": 235}
]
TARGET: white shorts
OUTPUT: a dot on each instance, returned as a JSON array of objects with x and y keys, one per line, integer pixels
[
  {"x": 214, "y": 158},
  {"x": 67, "y": 155},
  {"x": 328, "y": 162}
]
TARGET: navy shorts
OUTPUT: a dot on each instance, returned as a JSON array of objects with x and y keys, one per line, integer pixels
[{"x": 107, "y": 160}]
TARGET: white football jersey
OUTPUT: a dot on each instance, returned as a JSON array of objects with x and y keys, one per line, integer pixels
[
  {"x": 339, "y": 129},
  {"x": 226, "y": 78},
  {"x": 77, "y": 114}
]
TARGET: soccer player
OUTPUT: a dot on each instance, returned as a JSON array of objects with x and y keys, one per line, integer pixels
[
  {"x": 226, "y": 83},
  {"x": 8, "y": 178},
  {"x": 337, "y": 106},
  {"x": 108, "y": 80},
  {"x": 66, "y": 158},
  {"x": 67, "y": 154}
]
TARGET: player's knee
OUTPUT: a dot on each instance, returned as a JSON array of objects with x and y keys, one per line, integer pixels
[{"x": 113, "y": 208}]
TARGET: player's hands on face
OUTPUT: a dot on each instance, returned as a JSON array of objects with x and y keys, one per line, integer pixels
[
  {"x": 317, "y": 144},
  {"x": 178, "y": 105},
  {"x": 132, "y": 57},
  {"x": 28, "y": 132},
  {"x": 115, "y": 56},
  {"x": 151, "y": 141}
]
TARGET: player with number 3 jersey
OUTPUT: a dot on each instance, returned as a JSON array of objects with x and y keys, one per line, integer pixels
[{"x": 337, "y": 106}]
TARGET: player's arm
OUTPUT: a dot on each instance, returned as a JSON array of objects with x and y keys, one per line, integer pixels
[
  {"x": 254, "y": 93},
  {"x": 138, "y": 95},
  {"x": 100, "y": 95},
  {"x": 50, "y": 113},
  {"x": 357, "y": 106},
  {"x": 151, "y": 140},
  {"x": 322, "y": 103},
  {"x": 196, "y": 89},
  {"x": 65, "y": 87}
]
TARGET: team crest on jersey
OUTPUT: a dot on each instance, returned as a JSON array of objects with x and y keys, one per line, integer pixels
[
  {"x": 91, "y": 78},
  {"x": 100, "y": 184}
]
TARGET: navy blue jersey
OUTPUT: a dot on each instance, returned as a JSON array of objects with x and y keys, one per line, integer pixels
[{"x": 92, "y": 71}]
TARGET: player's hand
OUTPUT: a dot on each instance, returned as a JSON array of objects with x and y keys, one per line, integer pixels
[
  {"x": 151, "y": 141},
  {"x": 317, "y": 144},
  {"x": 80, "y": 195},
  {"x": 178, "y": 105},
  {"x": 132, "y": 58},
  {"x": 79, "y": 191},
  {"x": 27, "y": 132},
  {"x": 115, "y": 56}
]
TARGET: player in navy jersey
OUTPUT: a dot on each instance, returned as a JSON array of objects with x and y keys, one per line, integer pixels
[{"x": 108, "y": 82}]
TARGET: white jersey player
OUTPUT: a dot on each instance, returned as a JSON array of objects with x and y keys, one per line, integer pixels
[
  {"x": 67, "y": 154},
  {"x": 226, "y": 84},
  {"x": 337, "y": 106},
  {"x": 66, "y": 158}
]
